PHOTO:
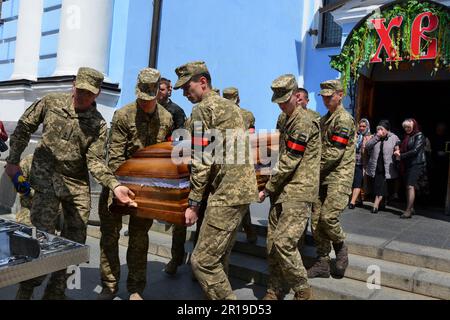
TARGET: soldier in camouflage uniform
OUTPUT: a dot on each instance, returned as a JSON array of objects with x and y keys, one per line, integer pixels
[
  {"x": 302, "y": 100},
  {"x": 135, "y": 126},
  {"x": 232, "y": 94},
  {"x": 232, "y": 186},
  {"x": 23, "y": 216},
  {"x": 336, "y": 177},
  {"x": 72, "y": 145},
  {"x": 293, "y": 188}
]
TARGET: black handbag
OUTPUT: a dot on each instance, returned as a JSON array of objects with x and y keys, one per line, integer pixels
[{"x": 3, "y": 146}]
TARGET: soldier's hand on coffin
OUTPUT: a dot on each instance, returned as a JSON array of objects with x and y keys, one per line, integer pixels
[
  {"x": 191, "y": 215},
  {"x": 125, "y": 196},
  {"x": 12, "y": 169}
]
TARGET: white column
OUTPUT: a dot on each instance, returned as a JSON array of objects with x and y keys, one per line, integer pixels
[
  {"x": 28, "y": 41},
  {"x": 84, "y": 36},
  {"x": 307, "y": 19}
]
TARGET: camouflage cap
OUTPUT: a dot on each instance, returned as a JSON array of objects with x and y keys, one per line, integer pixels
[
  {"x": 187, "y": 71},
  {"x": 148, "y": 84},
  {"x": 329, "y": 87},
  {"x": 231, "y": 93},
  {"x": 283, "y": 87},
  {"x": 89, "y": 79}
]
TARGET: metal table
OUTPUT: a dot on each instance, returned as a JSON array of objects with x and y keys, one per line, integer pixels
[{"x": 56, "y": 253}]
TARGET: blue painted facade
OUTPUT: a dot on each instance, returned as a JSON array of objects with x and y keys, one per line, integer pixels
[
  {"x": 8, "y": 32},
  {"x": 244, "y": 45}
]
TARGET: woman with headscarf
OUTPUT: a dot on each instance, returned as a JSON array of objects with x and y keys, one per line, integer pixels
[
  {"x": 363, "y": 135},
  {"x": 381, "y": 167},
  {"x": 413, "y": 161}
]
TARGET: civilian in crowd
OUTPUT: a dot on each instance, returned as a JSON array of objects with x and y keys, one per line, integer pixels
[
  {"x": 380, "y": 167},
  {"x": 363, "y": 136},
  {"x": 413, "y": 162}
]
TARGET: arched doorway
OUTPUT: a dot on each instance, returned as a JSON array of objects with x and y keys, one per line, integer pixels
[{"x": 396, "y": 63}]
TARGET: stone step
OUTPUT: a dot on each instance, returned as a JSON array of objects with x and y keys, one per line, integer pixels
[
  {"x": 393, "y": 251},
  {"x": 253, "y": 268}
]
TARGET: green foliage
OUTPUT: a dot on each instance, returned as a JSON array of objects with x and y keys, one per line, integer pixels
[{"x": 364, "y": 41}]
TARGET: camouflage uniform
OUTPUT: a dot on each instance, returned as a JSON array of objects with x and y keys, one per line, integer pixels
[
  {"x": 232, "y": 187},
  {"x": 72, "y": 145},
  {"x": 232, "y": 94},
  {"x": 23, "y": 216},
  {"x": 282, "y": 117},
  {"x": 293, "y": 188},
  {"x": 336, "y": 177},
  {"x": 131, "y": 129}
]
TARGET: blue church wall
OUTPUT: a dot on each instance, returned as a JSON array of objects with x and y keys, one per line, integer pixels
[{"x": 244, "y": 45}]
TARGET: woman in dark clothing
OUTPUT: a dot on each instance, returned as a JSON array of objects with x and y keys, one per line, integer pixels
[
  {"x": 413, "y": 162},
  {"x": 381, "y": 167},
  {"x": 362, "y": 137}
]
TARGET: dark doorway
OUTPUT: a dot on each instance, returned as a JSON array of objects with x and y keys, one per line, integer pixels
[{"x": 426, "y": 101}]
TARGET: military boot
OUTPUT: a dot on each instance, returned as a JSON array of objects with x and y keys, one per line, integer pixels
[
  {"x": 273, "y": 295},
  {"x": 341, "y": 251},
  {"x": 171, "y": 267},
  {"x": 304, "y": 294},
  {"x": 320, "y": 269},
  {"x": 24, "y": 293}
]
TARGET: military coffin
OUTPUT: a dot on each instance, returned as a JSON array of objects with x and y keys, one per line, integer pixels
[{"x": 161, "y": 185}]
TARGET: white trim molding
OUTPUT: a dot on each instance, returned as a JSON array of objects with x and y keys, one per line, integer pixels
[{"x": 355, "y": 10}]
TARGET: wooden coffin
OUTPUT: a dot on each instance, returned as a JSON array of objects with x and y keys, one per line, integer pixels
[{"x": 161, "y": 187}]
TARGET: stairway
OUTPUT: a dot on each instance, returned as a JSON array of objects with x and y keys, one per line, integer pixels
[{"x": 407, "y": 271}]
